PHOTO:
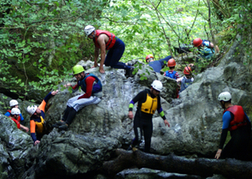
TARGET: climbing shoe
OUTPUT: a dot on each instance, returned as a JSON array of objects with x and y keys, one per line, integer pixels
[
  {"x": 58, "y": 123},
  {"x": 129, "y": 72},
  {"x": 63, "y": 127}
]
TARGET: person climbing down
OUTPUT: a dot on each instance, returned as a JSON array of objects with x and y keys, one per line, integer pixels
[
  {"x": 171, "y": 73},
  {"x": 14, "y": 104},
  {"x": 148, "y": 102},
  {"x": 237, "y": 122},
  {"x": 186, "y": 80},
  {"x": 205, "y": 48},
  {"x": 37, "y": 119},
  {"x": 92, "y": 87},
  {"x": 15, "y": 115},
  {"x": 105, "y": 40},
  {"x": 158, "y": 64}
]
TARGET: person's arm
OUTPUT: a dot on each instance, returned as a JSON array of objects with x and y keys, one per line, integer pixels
[
  {"x": 139, "y": 96},
  {"x": 24, "y": 128},
  {"x": 89, "y": 87},
  {"x": 7, "y": 114},
  {"x": 179, "y": 79},
  {"x": 161, "y": 112},
  {"x": 33, "y": 130},
  {"x": 21, "y": 119},
  {"x": 45, "y": 100},
  {"x": 102, "y": 43},
  {"x": 211, "y": 45}
]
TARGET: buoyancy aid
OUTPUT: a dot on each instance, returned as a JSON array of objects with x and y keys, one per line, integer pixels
[
  {"x": 40, "y": 125},
  {"x": 16, "y": 121},
  {"x": 83, "y": 84},
  {"x": 239, "y": 117},
  {"x": 111, "y": 41},
  {"x": 150, "y": 105},
  {"x": 171, "y": 74},
  {"x": 19, "y": 118}
]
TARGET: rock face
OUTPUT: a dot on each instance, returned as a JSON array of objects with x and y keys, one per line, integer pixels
[{"x": 97, "y": 130}]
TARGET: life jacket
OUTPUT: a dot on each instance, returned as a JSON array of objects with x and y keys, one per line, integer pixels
[
  {"x": 111, "y": 41},
  {"x": 19, "y": 118},
  {"x": 171, "y": 74},
  {"x": 83, "y": 84},
  {"x": 185, "y": 83},
  {"x": 16, "y": 121},
  {"x": 240, "y": 118},
  {"x": 150, "y": 105},
  {"x": 40, "y": 125}
]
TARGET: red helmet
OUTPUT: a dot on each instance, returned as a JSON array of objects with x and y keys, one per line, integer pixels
[
  {"x": 148, "y": 56},
  {"x": 197, "y": 42},
  {"x": 171, "y": 63},
  {"x": 187, "y": 70}
]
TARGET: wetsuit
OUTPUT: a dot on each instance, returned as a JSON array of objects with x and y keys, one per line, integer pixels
[
  {"x": 147, "y": 105},
  {"x": 157, "y": 65},
  {"x": 115, "y": 49},
  {"x": 20, "y": 118},
  {"x": 37, "y": 123},
  {"x": 237, "y": 122},
  {"x": 92, "y": 87}
]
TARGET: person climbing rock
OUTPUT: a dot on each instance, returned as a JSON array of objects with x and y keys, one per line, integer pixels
[
  {"x": 105, "y": 40},
  {"x": 15, "y": 115},
  {"x": 148, "y": 102},
  {"x": 186, "y": 80},
  {"x": 14, "y": 104},
  {"x": 237, "y": 122},
  {"x": 205, "y": 48},
  {"x": 171, "y": 73},
  {"x": 92, "y": 87},
  {"x": 37, "y": 119},
  {"x": 158, "y": 64}
]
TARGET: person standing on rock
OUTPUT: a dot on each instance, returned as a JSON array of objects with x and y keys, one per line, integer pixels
[
  {"x": 15, "y": 115},
  {"x": 103, "y": 41},
  {"x": 157, "y": 65},
  {"x": 237, "y": 122},
  {"x": 14, "y": 104},
  {"x": 92, "y": 87},
  {"x": 148, "y": 102},
  {"x": 37, "y": 119},
  {"x": 171, "y": 73},
  {"x": 186, "y": 80}
]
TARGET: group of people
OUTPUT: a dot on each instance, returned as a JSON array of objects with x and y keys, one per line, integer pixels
[{"x": 234, "y": 118}]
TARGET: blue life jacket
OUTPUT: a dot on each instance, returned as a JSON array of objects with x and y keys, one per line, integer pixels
[
  {"x": 97, "y": 86},
  {"x": 171, "y": 75}
]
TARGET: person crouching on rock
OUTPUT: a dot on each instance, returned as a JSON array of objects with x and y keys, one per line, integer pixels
[
  {"x": 92, "y": 87},
  {"x": 14, "y": 115},
  {"x": 37, "y": 119}
]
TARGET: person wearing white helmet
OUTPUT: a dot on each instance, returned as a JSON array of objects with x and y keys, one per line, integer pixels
[
  {"x": 37, "y": 119},
  {"x": 14, "y": 104},
  {"x": 148, "y": 102},
  {"x": 14, "y": 115},
  {"x": 237, "y": 122},
  {"x": 105, "y": 40}
]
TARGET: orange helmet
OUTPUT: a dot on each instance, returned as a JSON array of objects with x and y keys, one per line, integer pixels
[
  {"x": 171, "y": 63},
  {"x": 148, "y": 56},
  {"x": 187, "y": 70},
  {"x": 197, "y": 42}
]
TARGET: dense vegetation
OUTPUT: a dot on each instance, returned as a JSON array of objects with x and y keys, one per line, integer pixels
[{"x": 42, "y": 39}]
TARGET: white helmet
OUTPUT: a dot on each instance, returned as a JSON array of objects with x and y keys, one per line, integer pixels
[
  {"x": 157, "y": 85},
  {"x": 15, "y": 111},
  {"x": 224, "y": 96},
  {"x": 13, "y": 102},
  {"x": 89, "y": 29},
  {"x": 31, "y": 109}
]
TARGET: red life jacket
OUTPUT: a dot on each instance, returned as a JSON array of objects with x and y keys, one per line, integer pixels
[
  {"x": 19, "y": 118},
  {"x": 16, "y": 121},
  {"x": 239, "y": 117},
  {"x": 111, "y": 41}
]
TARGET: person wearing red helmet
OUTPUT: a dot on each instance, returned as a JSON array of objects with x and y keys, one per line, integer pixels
[
  {"x": 158, "y": 64},
  {"x": 186, "y": 80},
  {"x": 105, "y": 40},
  {"x": 205, "y": 48},
  {"x": 171, "y": 73}
]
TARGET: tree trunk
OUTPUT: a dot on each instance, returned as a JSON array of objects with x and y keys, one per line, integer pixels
[{"x": 172, "y": 163}]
